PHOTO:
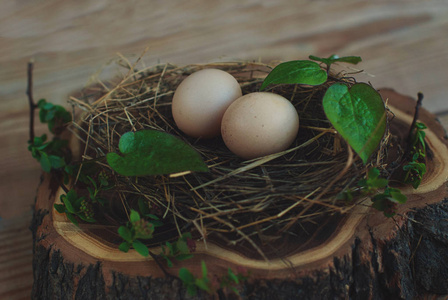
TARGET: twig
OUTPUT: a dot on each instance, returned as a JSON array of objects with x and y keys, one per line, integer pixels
[
  {"x": 156, "y": 259},
  {"x": 29, "y": 92},
  {"x": 417, "y": 109}
]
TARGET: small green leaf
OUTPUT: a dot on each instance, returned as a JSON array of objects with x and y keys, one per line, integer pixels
[
  {"x": 358, "y": 114},
  {"x": 232, "y": 276},
  {"x": 420, "y": 125},
  {"x": 203, "y": 284},
  {"x": 45, "y": 162},
  {"x": 373, "y": 173},
  {"x": 87, "y": 219},
  {"x": 379, "y": 204},
  {"x": 56, "y": 161},
  {"x": 152, "y": 217},
  {"x": 379, "y": 183},
  {"x": 60, "y": 208},
  {"x": 397, "y": 196},
  {"x": 68, "y": 205},
  {"x": 170, "y": 248},
  {"x": 182, "y": 246},
  {"x": 169, "y": 263},
  {"x": 125, "y": 233},
  {"x": 72, "y": 219},
  {"x": 192, "y": 290},
  {"x": 152, "y": 152},
  {"x": 72, "y": 195},
  {"x": 186, "y": 276},
  {"x": 124, "y": 247},
  {"x": 141, "y": 248},
  {"x": 134, "y": 216},
  {"x": 204, "y": 269},
  {"x": 296, "y": 72},
  {"x": 181, "y": 257}
]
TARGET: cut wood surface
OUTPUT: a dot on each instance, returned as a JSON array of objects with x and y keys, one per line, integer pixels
[{"x": 367, "y": 256}]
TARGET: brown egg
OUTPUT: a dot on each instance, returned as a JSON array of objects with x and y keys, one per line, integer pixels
[
  {"x": 201, "y": 100},
  {"x": 259, "y": 124}
]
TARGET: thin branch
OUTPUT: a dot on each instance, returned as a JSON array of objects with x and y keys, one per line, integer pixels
[
  {"x": 417, "y": 109},
  {"x": 29, "y": 92},
  {"x": 156, "y": 259}
]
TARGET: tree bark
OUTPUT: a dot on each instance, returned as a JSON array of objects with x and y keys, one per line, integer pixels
[{"x": 368, "y": 256}]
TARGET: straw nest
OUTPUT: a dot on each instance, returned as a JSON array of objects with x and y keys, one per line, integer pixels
[{"x": 254, "y": 204}]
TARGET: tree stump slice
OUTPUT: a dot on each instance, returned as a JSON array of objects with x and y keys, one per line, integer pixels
[{"x": 366, "y": 256}]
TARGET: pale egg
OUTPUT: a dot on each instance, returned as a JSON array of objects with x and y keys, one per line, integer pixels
[
  {"x": 259, "y": 124},
  {"x": 201, "y": 100}
]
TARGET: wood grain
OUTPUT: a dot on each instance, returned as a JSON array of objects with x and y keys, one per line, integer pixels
[{"x": 16, "y": 273}]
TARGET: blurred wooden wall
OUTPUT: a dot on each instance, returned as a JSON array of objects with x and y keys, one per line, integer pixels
[{"x": 404, "y": 45}]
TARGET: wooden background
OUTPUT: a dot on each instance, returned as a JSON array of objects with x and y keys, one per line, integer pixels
[{"x": 404, "y": 45}]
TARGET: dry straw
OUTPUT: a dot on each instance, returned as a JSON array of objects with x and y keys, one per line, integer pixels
[{"x": 284, "y": 197}]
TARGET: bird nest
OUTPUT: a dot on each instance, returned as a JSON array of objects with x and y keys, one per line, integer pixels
[{"x": 255, "y": 204}]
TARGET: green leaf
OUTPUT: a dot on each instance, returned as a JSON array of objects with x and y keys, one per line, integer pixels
[
  {"x": 192, "y": 290},
  {"x": 186, "y": 276},
  {"x": 378, "y": 183},
  {"x": 56, "y": 161},
  {"x": 182, "y": 246},
  {"x": 169, "y": 263},
  {"x": 373, "y": 173},
  {"x": 296, "y": 72},
  {"x": 397, "y": 196},
  {"x": 45, "y": 162},
  {"x": 170, "y": 248},
  {"x": 181, "y": 257},
  {"x": 72, "y": 195},
  {"x": 60, "y": 208},
  {"x": 232, "y": 276},
  {"x": 204, "y": 269},
  {"x": 152, "y": 152},
  {"x": 87, "y": 219},
  {"x": 141, "y": 248},
  {"x": 420, "y": 125},
  {"x": 134, "y": 216},
  {"x": 124, "y": 247},
  {"x": 72, "y": 219},
  {"x": 358, "y": 114},
  {"x": 203, "y": 284},
  {"x": 380, "y": 204},
  {"x": 68, "y": 205},
  {"x": 39, "y": 140},
  {"x": 334, "y": 58},
  {"x": 125, "y": 233}
]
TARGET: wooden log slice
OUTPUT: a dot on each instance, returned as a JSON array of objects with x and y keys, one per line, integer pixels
[{"x": 359, "y": 255}]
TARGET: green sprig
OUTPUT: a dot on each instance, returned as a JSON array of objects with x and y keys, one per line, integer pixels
[
  {"x": 74, "y": 207},
  {"x": 416, "y": 168},
  {"x": 179, "y": 250},
  {"x": 385, "y": 201},
  {"x": 137, "y": 228}
]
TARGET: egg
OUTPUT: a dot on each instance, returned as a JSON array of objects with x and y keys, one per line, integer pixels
[
  {"x": 259, "y": 124},
  {"x": 200, "y": 101}
]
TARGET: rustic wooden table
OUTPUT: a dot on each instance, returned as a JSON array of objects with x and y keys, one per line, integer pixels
[{"x": 404, "y": 45}]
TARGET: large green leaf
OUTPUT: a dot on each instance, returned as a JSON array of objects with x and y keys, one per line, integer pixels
[
  {"x": 334, "y": 58},
  {"x": 152, "y": 152},
  {"x": 358, "y": 114},
  {"x": 296, "y": 72}
]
